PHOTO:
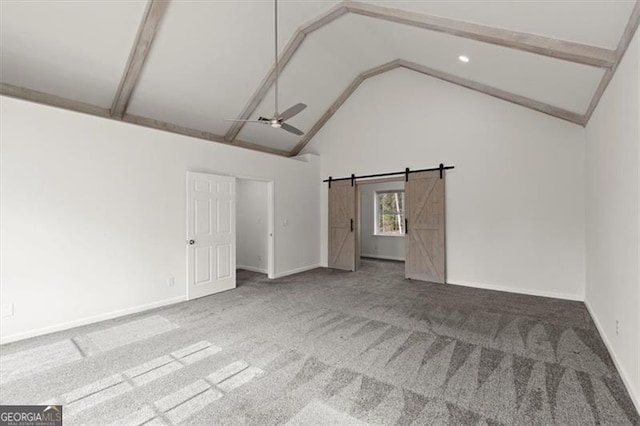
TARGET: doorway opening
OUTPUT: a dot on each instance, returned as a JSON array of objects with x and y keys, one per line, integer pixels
[
  {"x": 420, "y": 208},
  {"x": 254, "y": 225},
  {"x": 381, "y": 211}
]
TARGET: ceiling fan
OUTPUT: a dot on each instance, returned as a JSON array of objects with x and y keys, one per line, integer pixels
[{"x": 278, "y": 119}]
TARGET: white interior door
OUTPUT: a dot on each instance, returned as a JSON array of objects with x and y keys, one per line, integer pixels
[{"x": 211, "y": 234}]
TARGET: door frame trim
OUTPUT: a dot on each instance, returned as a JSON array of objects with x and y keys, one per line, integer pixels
[
  {"x": 358, "y": 184},
  {"x": 271, "y": 222}
]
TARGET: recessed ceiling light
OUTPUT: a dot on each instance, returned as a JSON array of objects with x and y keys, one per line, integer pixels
[{"x": 463, "y": 58}]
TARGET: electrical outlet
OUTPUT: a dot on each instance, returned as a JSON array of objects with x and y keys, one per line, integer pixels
[
  {"x": 617, "y": 327},
  {"x": 7, "y": 310},
  {"x": 171, "y": 281}
]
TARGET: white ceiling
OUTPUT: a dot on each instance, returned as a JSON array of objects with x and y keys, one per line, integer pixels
[
  {"x": 317, "y": 72},
  {"x": 597, "y": 23},
  {"x": 209, "y": 57},
  {"x": 77, "y": 50}
]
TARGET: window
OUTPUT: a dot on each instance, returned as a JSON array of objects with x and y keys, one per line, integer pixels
[{"x": 389, "y": 213}]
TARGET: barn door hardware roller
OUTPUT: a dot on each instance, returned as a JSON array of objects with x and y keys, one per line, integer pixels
[{"x": 406, "y": 172}]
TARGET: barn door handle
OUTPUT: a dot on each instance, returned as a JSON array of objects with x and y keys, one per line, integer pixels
[
  {"x": 351, "y": 225},
  {"x": 406, "y": 226}
]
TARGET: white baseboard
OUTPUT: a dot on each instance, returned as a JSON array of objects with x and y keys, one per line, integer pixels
[
  {"x": 297, "y": 270},
  {"x": 635, "y": 395},
  {"x": 552, "y": 294},
  {"x": 378, "y": 256},
  {"x": 89, "y": 320},
  {"x": 252, "y": 269}
]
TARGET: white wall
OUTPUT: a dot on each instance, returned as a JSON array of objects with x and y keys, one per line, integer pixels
[
  {"x": 613, "y": 216},
  {"x": 251, "y": 224},
  {"x": 515, "y": 202},
  {"x": 93, "y": 214},
  {"x": 379, "y": 246}
]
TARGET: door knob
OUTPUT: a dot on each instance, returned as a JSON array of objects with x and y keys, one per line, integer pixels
[{"x": 191, "y": 242}]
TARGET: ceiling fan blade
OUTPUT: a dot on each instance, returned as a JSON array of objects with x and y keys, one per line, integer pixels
[
  {"x": 244, "y": 121},
  {"x": 291, "y": 129},
  {"x": 287, "y": 114}
]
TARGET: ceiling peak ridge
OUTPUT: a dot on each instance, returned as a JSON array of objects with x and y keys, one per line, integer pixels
[
  {"x": 523, "y": 101},
  {"x": 553, "y": 48}
]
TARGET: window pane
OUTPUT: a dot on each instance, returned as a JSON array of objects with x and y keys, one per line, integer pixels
[{"x": 390, "y": 213}]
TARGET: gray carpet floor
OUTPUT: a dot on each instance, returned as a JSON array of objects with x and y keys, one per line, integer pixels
[{"x": 329, "y": 347}]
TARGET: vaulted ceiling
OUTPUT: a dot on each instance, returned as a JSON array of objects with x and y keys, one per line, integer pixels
[{"x": 185, "y": 66}]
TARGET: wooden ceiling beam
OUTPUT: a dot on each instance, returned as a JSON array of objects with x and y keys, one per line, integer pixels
[
  {"x": 199, "y": 134},
  {"x": 450, "y": 78},
  {"x": 151, "y": 19},
  {"x": 51, "y": 100},
  {"x": 340, "y": 100},
  {"x": 84, "y": 108},
  {"x": 542, "y": 107},
  {"x": 381, "y": 69},
  {"x": 558, "y": 49},
  {"x": 574, "y": 52},
  {"x": 623, "y": 45},
  {"x": 264, "y": 86}
]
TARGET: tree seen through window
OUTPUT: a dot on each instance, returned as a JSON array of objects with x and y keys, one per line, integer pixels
[{"x": 390, "y": 213}]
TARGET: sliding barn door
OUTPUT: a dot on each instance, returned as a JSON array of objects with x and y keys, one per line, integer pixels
[
  {"x": 425, "y": 239},
  {"x": 342, "y": 226}
]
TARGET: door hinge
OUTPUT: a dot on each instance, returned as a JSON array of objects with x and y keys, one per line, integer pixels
[
  {"x": 351, "y": 225},
  {"x": 406, "y": 226}
]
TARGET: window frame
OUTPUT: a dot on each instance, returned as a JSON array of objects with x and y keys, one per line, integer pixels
[{"x": 376, "y": 213}]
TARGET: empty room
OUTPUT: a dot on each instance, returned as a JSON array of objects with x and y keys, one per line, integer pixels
[{"x": 287, "y": 212}]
